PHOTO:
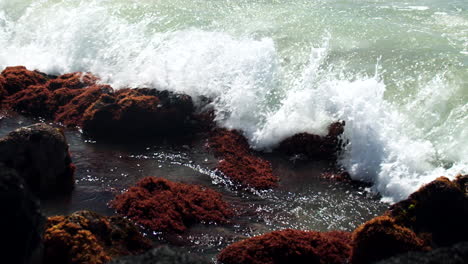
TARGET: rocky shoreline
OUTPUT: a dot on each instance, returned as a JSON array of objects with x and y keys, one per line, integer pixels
[{"x": 35, "y": 163}]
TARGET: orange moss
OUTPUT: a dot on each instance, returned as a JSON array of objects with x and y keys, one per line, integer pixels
[
  {"x": 71, "y": 114},
  {"x": 381, "y": 238},
  {"x": 86, "y": 237},
  {"x": 75, "y": 80},
  {"x": 67, "y": 242},
  {"x": 19, "y": 78},
  {"x": 290, "y": 246},
  {"x": 162, "y": 205},
  {"x": 34, "y": 100}
]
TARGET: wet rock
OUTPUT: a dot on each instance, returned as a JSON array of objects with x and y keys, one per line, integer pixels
[
  {"x": 86, "y": 237},
  {"x": 39, "y": 153},
  {"x": 71, "y": 114},
  {"x": 238, "y": 163},
  {"x": 290, "y": 246},
  {"x": 163, "y": 255},
  {"x": 19, "y": 78},
  {"x": 162, "y": 205},
  {"x": 438, "y": 211},
  {"x": 22, "y": 221},
  {"x": 381, "y": 238},
  {"x": 313, "y": 146},
  {"x": 75, "y": 80},
  {"x": 456, "y": 254},
  {"x": 139, "y": 112}
]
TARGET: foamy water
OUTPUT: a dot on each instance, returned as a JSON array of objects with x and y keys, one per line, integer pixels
[{"x": 395, "y": 71}]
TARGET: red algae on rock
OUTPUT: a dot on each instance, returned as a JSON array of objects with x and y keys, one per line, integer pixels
[
  {"x": 19, "y": 78},
  {"x": 381, "y": 238},
  {"x": 162, "y": 205},
  {"x": 438, "y": 211},
  {"x": 86, "y": 237},
  {"x": 238, "y": 163},
  {"x": 71, "y": 114},
  {"x": 75, "y": 80},
  {"x": 33, "y": 100},
  {"x": 314, "y": 146},
  {"x": 290, "y": 246},
  {"x": 139, "y": 112}
]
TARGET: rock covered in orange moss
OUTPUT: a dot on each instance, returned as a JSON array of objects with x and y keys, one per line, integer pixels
[
  {"x": 438, "y": 211},
  {"x": 3, "y": 91},
  {"x": 238, "y": 163},
  {"x": 33, "y": 100},
  {"x": 314, "y": 146},
  {"x": 75, "y": 80},
  {"x": 139, "y": 112},
  {"x": 19, "y": 78},
  {"x": 381, "y": 238},
  {"x": 290, "y": 246},
  {"x": 39, "y": 153},
  {"x": 86, "y": 237},
  {"x": 162, "y": 205},
  {"x": 71, "y": 114}
]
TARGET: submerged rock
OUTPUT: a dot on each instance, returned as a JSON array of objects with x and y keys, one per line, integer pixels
[
  {"x": 162, "y": 205},
  {"x": 86, "y": 237},
  {"x": 456, "y": 254},
  {"x": 139, "y": 112},
  {"x": 39, "y": 153},
  {"x": 22, "y": 221},
  {"x": 238, "y": 163},
  {"x": 290, "y": 246},
  {"x": 163, "y": 255},
  {"x": 381, "y": 238},
  {"x": 313, "y": 146}
]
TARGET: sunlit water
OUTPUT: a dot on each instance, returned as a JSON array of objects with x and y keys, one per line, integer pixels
[
  {"x": 302, "y": 201},
  {"x": 395, "y": 71}
]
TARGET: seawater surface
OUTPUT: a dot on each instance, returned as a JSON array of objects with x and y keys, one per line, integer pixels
[
  {"x": 396, "y": 71},
  {"x": 302, "y": 201}
]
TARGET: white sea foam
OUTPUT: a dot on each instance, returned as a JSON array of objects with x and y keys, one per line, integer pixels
[{"x": 397, "y": 146}]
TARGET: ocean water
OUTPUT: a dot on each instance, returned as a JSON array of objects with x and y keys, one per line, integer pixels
[{"x": 395, "y": 71}]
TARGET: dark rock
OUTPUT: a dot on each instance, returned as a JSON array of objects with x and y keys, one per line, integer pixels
[
  {"x": 456, "y": 254},
  {"x": 39, "y": 153},
  {"x": 163, "y": 255},
  {"x": 314, "y": 146},
  {"x": 139, "y": 112},
  {"x": 86, "y": 237},
  {"x": 290, "y": 246},
  {"x": 238, "y": 163},
  {"x": 438, "y": 211},
  {"x": 162, "y": 205},
  {"x": 22, "y": 221},
  {"x": 381, "y": 238}
]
